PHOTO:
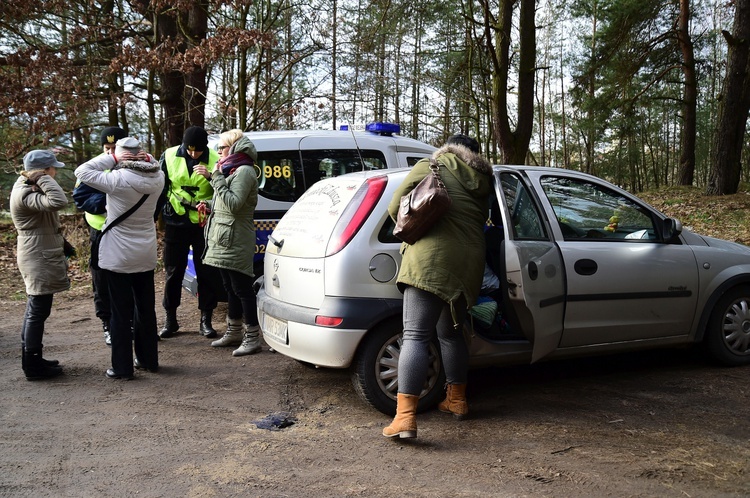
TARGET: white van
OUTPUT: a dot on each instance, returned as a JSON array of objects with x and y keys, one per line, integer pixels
[{"x": 289, "y": 162}]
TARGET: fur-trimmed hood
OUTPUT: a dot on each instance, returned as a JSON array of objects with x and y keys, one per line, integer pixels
[
  {"x": 140, "y": 166},
  {"x": 472, "y": 159}
]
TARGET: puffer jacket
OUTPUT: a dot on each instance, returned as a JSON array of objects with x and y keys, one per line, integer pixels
[
  {"x": 39, "y": 249},
  {"x": 230, "y": 230},
  {"x": 130, "y": 246},
  {"x": 449, "y": 260}
]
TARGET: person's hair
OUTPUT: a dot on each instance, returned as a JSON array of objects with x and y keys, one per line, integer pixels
[
  {"x": 230, "y": 137},
  {"x": 467, "y": 142}
]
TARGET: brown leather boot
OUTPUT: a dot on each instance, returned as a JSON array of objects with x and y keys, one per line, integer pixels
[
  {"x": 404, "y": 425},
  {"x": 455, "y": 401}
]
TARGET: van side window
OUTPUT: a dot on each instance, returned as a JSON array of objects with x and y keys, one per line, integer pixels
[
  {"x": 280, "y": 175},
  {"x": 319, "y": 164}
]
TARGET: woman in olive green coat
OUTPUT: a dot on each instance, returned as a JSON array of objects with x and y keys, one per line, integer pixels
[
  {"x": 230, "y": 241},
  {"x": 440, "y": 277}
]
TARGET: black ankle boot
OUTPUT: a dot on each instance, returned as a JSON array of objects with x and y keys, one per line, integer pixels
[
  {"x": 206, "y": 328},
  {"x": 49, "y": 363},
  {"x": 34, "y": 367},
  {"x": 170, "y": 326}
]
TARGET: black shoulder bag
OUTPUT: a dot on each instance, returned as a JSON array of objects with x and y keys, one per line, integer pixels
[{"x": 94, "y": 260}]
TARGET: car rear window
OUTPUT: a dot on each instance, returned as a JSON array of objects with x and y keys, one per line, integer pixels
[{"x": 304, "y": 231}]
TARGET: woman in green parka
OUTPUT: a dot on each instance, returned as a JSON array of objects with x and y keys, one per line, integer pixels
[
  {"x": 440, "y": 277},
  {"x": 230, "y": 239}
]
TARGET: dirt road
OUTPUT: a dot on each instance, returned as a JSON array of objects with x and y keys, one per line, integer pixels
[{"x": 662, "y": 424}]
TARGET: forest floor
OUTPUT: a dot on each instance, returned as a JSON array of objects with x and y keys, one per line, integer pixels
[{"x": 662, "y": 423}]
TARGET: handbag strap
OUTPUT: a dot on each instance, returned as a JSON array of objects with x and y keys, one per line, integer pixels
[
  {"x": 435, "y": 169},
  {"x": 126, "y": 213}
]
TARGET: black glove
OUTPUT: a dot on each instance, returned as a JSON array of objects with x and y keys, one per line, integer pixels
[{"x": 69, "y": 250}]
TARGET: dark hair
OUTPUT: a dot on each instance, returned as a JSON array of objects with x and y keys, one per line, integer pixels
[{"x": 467, "y": 142}]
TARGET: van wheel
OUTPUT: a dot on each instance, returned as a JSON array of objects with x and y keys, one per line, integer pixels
[
  {"x": 728, "y": 332},
  {"x": 375, "y": 370}
]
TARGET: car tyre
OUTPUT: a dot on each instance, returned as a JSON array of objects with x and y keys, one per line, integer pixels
[
  {"x": 728, "y": 333},
  {"x": 375, "y": 370}
]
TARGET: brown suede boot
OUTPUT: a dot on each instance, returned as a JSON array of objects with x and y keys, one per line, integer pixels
[
  {"x": 455, "y": 401},
  {"x": 404, "y": 425}
]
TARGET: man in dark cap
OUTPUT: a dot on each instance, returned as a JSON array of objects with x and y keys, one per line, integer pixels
[
  {"x": 94, "y": 205},
  {"x": 187, "y": 168}
]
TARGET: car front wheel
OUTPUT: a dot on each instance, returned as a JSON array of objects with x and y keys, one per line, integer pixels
[
  {"x": 728, "y": 333},
  {"x": 375, "y": 370}
]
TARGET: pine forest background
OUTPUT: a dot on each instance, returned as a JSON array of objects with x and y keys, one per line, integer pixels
[{"x": 645, "y": 94}]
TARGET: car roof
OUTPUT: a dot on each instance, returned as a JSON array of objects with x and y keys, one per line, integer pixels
[{"x": 286, "y": 139}]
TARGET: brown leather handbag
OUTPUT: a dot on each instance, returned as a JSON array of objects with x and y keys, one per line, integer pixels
[{"x": 421, "y": 208}]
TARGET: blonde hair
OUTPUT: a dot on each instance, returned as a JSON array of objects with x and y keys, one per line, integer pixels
[{"x": 228, "y": 138}]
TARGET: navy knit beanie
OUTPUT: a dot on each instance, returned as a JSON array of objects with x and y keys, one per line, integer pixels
[{"x": 195, "y": 138}]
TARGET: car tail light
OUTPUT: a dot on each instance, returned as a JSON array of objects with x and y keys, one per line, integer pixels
[
  {"x": 328, "y": 321},
  {"x": 356, "y": 213}
]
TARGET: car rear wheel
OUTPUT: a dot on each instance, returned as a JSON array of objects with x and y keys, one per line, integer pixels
[
  {"x": 375, "y": 370},
  {"x": 728, "y": 333}
]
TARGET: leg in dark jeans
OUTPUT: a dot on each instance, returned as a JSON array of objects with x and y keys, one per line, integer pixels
[
  {"x": 38, "y": 309},
  {"x": 240, "y": 296},
  {"x": 176, "y": 248},
  {"x": 123, "y": 305},
  {"x": 101, "y": 292},
  {"x": 144, "y": 319}
]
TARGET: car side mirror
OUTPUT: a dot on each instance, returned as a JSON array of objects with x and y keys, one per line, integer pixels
[{"x": 671, "y": 229}]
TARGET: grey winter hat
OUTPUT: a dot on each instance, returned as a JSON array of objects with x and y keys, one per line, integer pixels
[
  {"x": 127, "y": 144},
  {"x": 40, "y": 159}
]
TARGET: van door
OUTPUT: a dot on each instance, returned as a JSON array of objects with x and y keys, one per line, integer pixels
[{"x": 534, "y": 283}]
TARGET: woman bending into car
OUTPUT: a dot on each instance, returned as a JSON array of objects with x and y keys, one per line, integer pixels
[{"x": 440, "y": 276}]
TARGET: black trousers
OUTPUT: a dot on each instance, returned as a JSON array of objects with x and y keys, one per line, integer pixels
[
  {"x": 133, "y": 302},
  {"x": 177, "y": 243},
  {"x": 101, "y": 292},
  {"x": 240, "y": 296},
  {"x": 38, "y": 309}
]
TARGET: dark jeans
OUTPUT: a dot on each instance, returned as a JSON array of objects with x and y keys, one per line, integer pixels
[
  {"x": 38, "y": 309},
  {"x": 177, "y": 243},
  {"x": 101, "y": 292},
  {"x": 240, "y": 296},
  {"x": 133, "y": 301}
]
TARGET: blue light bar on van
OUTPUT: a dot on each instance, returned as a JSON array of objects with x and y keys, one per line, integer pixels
[
  {"x": 344, "y": 128},
  {"x": 386, "y": 129}
]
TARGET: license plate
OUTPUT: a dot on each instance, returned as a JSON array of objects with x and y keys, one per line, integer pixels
[{"x": 275, "y": 328}]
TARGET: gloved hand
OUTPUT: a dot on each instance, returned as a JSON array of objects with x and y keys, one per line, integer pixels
[
  {"x": 33, "y": 176},
  {"x": 69, "y": 250}
]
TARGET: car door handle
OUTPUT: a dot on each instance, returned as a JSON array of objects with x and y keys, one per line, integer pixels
[{"x": 585, "y": 267}]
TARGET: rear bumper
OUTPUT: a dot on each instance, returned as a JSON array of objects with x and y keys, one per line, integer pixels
[{"x": 332, "y": 347}]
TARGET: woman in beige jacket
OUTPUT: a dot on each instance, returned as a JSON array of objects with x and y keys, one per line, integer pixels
[{"x": 34, "y": 202}]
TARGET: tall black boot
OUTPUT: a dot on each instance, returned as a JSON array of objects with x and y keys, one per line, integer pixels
[
  {"x": 206, "y": 328},
  {"x": 34, "y": 367},
  {"x": 170, "y": 326}
]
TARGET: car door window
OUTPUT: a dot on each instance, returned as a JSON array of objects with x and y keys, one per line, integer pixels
[
  {"x": 526, "y": 223},
  {"x": 589, "y": 211}
]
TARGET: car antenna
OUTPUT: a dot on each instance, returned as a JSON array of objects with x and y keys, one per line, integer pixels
[{"x": 359, "y": 151}]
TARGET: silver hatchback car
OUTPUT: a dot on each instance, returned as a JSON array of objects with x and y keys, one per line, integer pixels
[{"x": 583, "y": 268}]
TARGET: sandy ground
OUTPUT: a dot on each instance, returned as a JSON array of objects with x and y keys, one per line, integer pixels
[{"x": 661, "y": 424}]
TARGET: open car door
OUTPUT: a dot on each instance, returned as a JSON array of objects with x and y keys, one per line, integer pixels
[{"x": 534, "y": 281}]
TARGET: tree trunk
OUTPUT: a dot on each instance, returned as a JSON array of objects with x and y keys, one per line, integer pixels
[
  {"x": 689, "y": 98},
  {"x": 514, "y": 144},
  {"x": 733, "y": 108},
  {"x": 196, "y": 86}
]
